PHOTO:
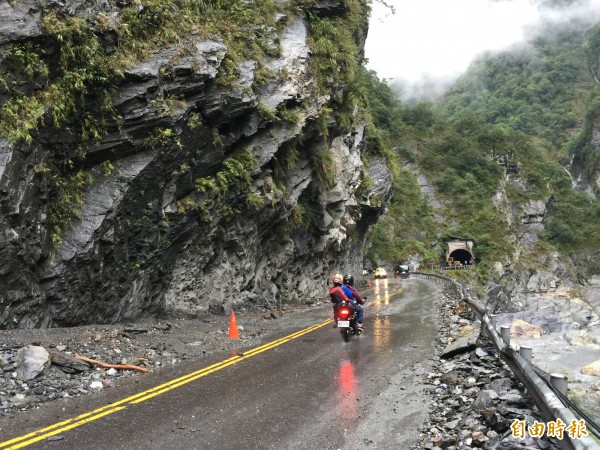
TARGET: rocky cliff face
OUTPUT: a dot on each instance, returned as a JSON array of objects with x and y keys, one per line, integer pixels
[
  {"x": 582, "y": 168},
  {"x": 202, "y": 195}
]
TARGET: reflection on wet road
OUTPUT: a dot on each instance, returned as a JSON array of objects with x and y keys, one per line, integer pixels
[
  {"x": 347, "y": 390},
  {"x": 382, "y": 331},
  {"x": 384, "y": 288},
  {"x": 381, "y": 324},
  {"x": 381, "y": 292},
  {"x": 313, "y": 391}
]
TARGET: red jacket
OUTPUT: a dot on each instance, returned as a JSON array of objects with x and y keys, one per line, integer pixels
[{"x": 338, "y": 295}]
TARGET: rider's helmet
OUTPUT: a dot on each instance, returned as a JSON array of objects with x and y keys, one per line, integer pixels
[
  {"x": 349, "y": 280},
  {"x": 337, "y": 279}
]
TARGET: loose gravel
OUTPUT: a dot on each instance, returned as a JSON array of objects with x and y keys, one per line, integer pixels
[{"x": 476, "y": 396}]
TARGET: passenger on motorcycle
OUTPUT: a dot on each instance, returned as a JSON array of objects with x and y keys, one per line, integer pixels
[
  {"x": 337, "y": 293},
  {"x": 348, "y": 287},
  {"x": 341, "y": 292}
]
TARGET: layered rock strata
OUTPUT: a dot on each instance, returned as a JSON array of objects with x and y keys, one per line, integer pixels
[{"x": 147, "y": 240}]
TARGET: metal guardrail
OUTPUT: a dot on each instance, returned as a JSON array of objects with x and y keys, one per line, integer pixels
[
  {"x": 544, "y": 397},
  {"x": 467, "y": 267}
]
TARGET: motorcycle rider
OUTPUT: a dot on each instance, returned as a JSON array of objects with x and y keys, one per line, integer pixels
[
  {"x": 337, "y": 293},
  {"x": 343, "y": 292},
  {"x": 348, "y": 287}
]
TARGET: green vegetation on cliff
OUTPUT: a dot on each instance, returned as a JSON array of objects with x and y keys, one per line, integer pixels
[
  {"x": 71, "y": 88},
  {"x": 537, "y": 89},
  {"x": 500, "y": 138}
]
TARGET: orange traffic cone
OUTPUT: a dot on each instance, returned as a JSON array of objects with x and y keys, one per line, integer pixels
[{"x": 233, "y": 329}]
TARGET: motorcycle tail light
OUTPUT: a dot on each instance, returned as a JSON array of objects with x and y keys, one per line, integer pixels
[{"x": 344, "y": 313}]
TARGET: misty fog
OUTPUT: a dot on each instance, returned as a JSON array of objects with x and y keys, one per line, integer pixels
[{"x": 425, "y": 45}]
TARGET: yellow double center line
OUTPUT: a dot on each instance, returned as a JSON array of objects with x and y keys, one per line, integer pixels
[{"x": 61, "y": 427}]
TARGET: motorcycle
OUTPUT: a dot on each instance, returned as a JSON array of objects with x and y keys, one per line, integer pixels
[{"x": 345, "y": 317}]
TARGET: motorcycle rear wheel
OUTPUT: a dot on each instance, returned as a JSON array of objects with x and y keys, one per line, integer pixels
[{"x": 345, "y": 332}]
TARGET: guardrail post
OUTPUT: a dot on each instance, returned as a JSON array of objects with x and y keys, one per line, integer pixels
[
  {"x": 560, "y": 382},
  {"x": 505, "y": 333},
  {"x": 493, "y": 320},
  {"x": 525, "y": 351}
]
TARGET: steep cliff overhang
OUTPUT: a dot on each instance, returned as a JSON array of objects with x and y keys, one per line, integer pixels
[{"x": 195, "y": 164}]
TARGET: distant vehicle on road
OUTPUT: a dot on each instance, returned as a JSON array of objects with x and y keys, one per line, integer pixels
[
  {"x": 380, "y": 272},
  {"x": 402, "y": 270}
]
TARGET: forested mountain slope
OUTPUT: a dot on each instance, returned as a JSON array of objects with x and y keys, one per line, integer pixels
[{"x": 508, "y": 157}]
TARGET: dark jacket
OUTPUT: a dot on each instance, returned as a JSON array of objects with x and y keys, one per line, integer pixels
[{"x": 356, "y": 295}]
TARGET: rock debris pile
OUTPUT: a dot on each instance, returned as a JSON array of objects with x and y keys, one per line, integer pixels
[
  {"x": 38, "y": 366},
  {"x": 476, "y": 396}
]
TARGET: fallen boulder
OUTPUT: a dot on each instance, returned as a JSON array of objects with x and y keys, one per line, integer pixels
[
  {"x": 592, "y": 369},
  {"x": 31, "y": 361},
  {"x": 68, "y": 363},
  {"x": 462, "y": 344},
  {"x": 524, "y": 330}
]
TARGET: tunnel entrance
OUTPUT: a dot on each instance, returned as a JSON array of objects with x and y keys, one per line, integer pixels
[{"x": 459, "y": 254}]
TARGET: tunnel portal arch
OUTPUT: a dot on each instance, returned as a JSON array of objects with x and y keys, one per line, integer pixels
[
  {"x": 462, "y": 256},
  {"x": 460, "y": 252}
]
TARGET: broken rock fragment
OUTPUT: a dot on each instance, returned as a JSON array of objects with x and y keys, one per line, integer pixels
[{"x": 31, "y": 361}]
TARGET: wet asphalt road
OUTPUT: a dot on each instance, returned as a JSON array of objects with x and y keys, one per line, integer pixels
[{"x": 313, "y": 392}]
